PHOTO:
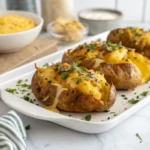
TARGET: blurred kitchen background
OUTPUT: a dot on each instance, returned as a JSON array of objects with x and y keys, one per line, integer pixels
[{"x": 136, "y": 12}]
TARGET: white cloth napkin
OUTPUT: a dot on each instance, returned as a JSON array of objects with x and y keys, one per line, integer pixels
[{"x": 12, "y": 132}]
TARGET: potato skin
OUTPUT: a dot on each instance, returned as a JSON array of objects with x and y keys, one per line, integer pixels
[
  {"x": 71, "y": 100},
  {"x": 129, "y": 38},
  {"x": 123, "y": 76}
]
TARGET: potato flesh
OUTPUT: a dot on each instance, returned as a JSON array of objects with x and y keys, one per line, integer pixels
[{"x": 142, "y": 63}]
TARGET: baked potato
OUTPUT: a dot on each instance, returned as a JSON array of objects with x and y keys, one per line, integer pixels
[
  {"x": 132, "y": 37},
  {"x": 121, "y": 66},
  {"x": 72, "y": 88}
]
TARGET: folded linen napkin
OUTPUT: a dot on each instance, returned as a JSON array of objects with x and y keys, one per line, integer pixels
[{"x": 12, "y": 132}]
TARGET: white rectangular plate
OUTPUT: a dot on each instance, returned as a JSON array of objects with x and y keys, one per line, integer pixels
[{"x": 100, "y": 121}]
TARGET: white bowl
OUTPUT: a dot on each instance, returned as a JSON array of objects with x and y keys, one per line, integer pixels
[{"x": 15, "y": 41}]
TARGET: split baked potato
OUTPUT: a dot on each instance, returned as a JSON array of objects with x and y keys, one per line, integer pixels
[
  {"x": 132, "y": 37},
  {"x": 121, "y": 66},
  {"x": 72, "y": 88}
]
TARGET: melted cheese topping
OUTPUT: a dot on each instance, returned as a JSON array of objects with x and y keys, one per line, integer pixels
[
  {"x": 115, "y": 54},
  {"x": 59, "y": 90},
  {"x": 98, "y": 61},
  {"x": 87, "y": 82}
]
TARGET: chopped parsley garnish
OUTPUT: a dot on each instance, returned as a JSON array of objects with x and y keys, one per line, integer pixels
[
  {"x": 125, "y": 98},
  {"x": 115, "y": 114},
  {"x": 133, "y": 101},
  {"x": 12, "y": 91},
  {"x": 26, "y": 98},
  {"x": 88, "y": 117},
  {"x": 113, "y": 46},
  {"x": 91, "y": 47},
  {"x": 107, "y": 110},
  {"x": 24, "y": 85},
  {"x": 135, "y": 57},
  {"x": 144, "y": 93},
  {"x": 46, "y": 65},
  {"x": 108, "y": 118},
  {"x": 123, "y": 95},
  {"x": 137, "y": 134},
  {"x": 74, "y": 67},
  {"x": 138, "y": 34},
  {"x": 106, "y": 83},
  {"x": 65, "y": 75},
  {"x": 19, "y": 81},
  {"x": 127, "y": 59},
  {"x": 28, "y": 127},
  {"x": 49, "y": 81},
  {"x": 56, "y": 67},
  {"x": 79, "y": 80}
]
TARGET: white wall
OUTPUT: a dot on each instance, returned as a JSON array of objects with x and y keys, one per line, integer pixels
[{"x": 134, "y": 10}]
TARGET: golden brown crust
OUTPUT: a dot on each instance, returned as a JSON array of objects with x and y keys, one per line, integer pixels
[
  {"x": 71, "y": 100},
  {"x": 131, "y": 39}
]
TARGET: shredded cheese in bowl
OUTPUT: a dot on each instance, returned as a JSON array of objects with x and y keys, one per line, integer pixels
[{"x": 14, "y": 23}]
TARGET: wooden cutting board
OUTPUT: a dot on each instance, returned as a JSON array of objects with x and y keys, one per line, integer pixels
[{"x": 39, "y": 48}]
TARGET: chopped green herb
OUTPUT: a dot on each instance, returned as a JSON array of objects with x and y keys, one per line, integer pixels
[
  {"x": 127, "y": 59},
  {"x": 107, "y": 110},
  {"x": 144, "y": 93},
  {"x": 49, "y": 81},
  {"x": 88, "y": 117},
  {"x": 108, "y": 118},
  {"x": 28, "y": 127},
  {"x": 125, "y": 98},
  {"x": 19, "y": 81},
  {"x": 26, "y": 80},
  {"x": 65, "y": 75},
  {"x": 115, "y": 114},
  {"x": 28, "y": 94},
  {"x": 46, "y": 65},
  {"x": 26, "y": 98},
  {"x": 137, "y": 134},
  {"x": 137, "y": 97},
  {"x": 112, "y": 112},
  {"x": 108, "y": 50},
  {"x": 133, "y": 101},
  {"x": 56, "y": 67},
  {"x": 106, "y": 83},
  {"x": 123, "y": 95},
  {"x": 79, "y": 80},
  {"x": 12, "y": 91},
  {"x": 135, "y": 57},
  {"x": 138, "y": 34},
  {"x": 91, "y": 47},
  {"x": 24, "y": 85},
  {"x": 29, "y": 87}
]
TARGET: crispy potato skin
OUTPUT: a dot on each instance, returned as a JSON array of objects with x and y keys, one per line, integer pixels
[
  {"x": 71, "y": 100},
  {"x": 129, "y": 38},
  {"x": 123, "y": 76}
]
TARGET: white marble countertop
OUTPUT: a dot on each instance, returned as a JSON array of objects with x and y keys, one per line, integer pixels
[{"x": 45, "y": 135}]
